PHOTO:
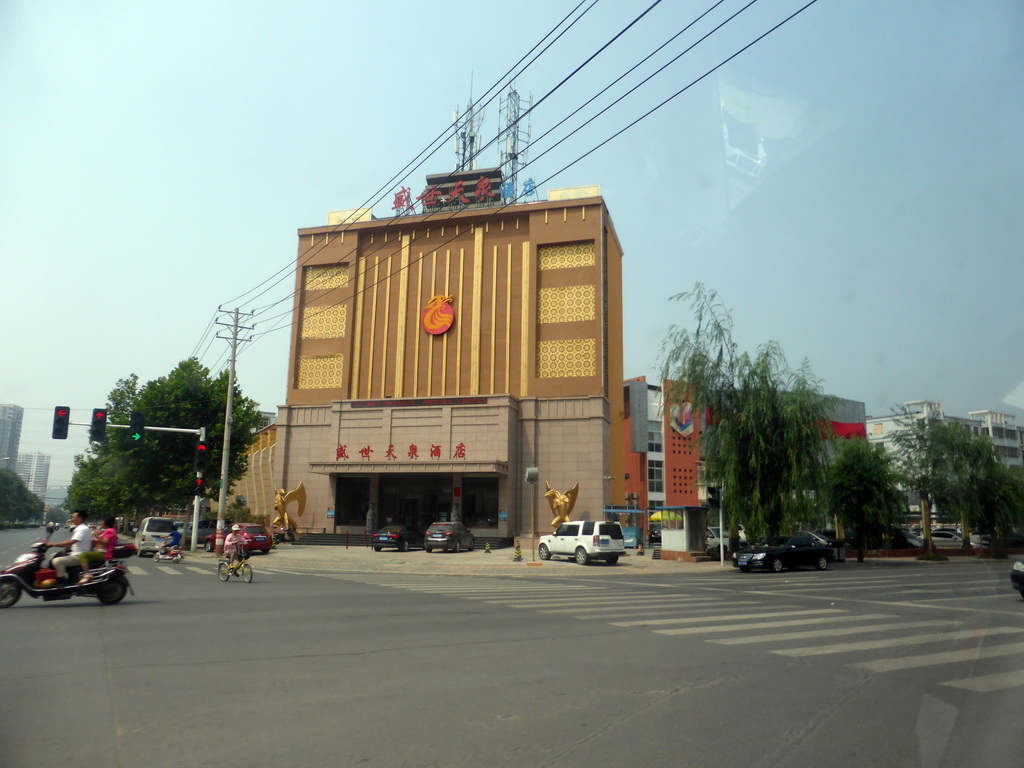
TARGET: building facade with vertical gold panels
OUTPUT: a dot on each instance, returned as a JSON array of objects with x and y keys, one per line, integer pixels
[{"x": 435, "y": 357}]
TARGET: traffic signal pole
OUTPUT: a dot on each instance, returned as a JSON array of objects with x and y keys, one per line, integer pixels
[{"x": 225, "y": 460}]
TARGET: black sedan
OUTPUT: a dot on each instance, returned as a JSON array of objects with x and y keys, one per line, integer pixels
[
  {"x": 789, "y": 552},
  {"x": 450, "y": 537},
  {"x": 401, "y": 537},
  {"x": 1017, "y": 576}
]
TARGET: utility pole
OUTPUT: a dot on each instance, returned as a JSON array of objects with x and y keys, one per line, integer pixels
[{"x": 225, "y": 460}]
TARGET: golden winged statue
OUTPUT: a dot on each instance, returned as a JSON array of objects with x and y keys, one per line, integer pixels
[
  {"x": 561, "y": 503},
  {"x": 281, "y": 502}
]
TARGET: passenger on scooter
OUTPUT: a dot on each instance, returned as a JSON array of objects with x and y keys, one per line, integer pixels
[
  {"x": 107, "y": 538},
  {"x": 80, "y": 543},
  {"x": 233, "y": 544}
]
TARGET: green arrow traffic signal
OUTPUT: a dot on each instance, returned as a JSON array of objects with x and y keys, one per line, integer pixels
[{"x": 136, "y": 425}]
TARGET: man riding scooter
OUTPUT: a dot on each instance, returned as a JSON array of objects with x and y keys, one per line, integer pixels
[
  {"x": 171, "y": 541},
  {"x": 80, "y": 543}
]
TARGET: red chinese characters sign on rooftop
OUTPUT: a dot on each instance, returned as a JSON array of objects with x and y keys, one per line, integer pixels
[{"x": 451, "y": 192}]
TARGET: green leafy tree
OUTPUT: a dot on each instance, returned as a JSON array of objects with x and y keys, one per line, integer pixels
[
  {"x": 17, "y": 502},
  {"x": 958, "y": 474},
  {"x": 763, "y": 442},
  {"x": 155, "y": 474},
  {"x": 864, "y": 493}
]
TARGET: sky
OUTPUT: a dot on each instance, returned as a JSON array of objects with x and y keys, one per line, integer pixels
[{"x": 850, "y": 183}]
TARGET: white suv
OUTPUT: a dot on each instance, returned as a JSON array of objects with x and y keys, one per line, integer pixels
[{"x": 584, "y": 540}]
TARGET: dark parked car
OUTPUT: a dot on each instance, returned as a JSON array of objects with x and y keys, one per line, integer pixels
[
  {"x": 1017, "y": 576},
  {"x": 449, "y": 537},
  {"x": 256, "y": 538},
  {"x": 205, "y": 528},
  {"x": 401, "y": 537},
  {"x": 781, "y": 552}
]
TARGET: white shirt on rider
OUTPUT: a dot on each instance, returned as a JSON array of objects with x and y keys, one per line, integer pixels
[{"x": 82, "y": 539}]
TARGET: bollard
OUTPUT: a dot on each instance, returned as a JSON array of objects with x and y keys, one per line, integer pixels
[
  {"x": 519, "y": 554},
  {"x": 640, "y": 549},
  {"x": 487, "y": 546}
]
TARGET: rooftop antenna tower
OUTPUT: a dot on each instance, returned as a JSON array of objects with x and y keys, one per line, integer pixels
[
  {"x": 517, "y": 138},
  {"x": 467, "y": 134}
]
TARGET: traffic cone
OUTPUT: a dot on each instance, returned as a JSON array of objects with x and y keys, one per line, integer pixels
[
  {"x": 519, "y": 554},
  {"x": 487, "y": 547}
]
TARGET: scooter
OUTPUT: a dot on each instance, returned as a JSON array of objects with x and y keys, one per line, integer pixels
[
  {"x": 169, "y": 553},
  {"x": 109, "y": 582}
]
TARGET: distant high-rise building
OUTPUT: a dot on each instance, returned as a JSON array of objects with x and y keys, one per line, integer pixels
[
  {"x": 10, "y": 435},
  {"x": 34, "y": 469}
]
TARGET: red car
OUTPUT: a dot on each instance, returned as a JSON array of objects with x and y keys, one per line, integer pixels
[{"x": 256, "y": 539}]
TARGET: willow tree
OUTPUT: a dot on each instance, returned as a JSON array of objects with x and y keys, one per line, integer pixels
[
  {"x": 761, "y": 439},
  {"x": 864, "y": 492},
  {"x": 958, "y": 473}
]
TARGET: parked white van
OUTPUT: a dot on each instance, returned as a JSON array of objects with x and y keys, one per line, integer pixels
[{"x": 152, "y": 533}]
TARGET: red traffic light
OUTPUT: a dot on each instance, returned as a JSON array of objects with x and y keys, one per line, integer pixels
[
  {"x": 98, "y": 427},
  {"x": 202, "y": 456},
  {"x": 61, "y": 421}
]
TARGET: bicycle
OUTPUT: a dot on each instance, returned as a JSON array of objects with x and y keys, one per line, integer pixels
[{"x": 240, "y": 569}]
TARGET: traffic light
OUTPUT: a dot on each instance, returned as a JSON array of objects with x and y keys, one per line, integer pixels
[
  {"x": 61, "y": 420},
  {"x": 202, "y": 456},
  {"x": 199, "y": 487},
  {"x": 98, "y": 427},
  {"x": 713, "y": 498},
  {"x": 136, "y": 425}
]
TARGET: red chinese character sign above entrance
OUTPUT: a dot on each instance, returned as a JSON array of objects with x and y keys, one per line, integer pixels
[{"x": 439, "y": 315}]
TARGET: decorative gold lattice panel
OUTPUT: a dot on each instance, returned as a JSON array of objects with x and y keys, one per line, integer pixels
[
  {"x": 566, "y": 358},
  {"x": 319, "y": 372},
  {"x": 565, "y": 256},
  {"x": 571, "y": 304},
  {"x": 329, "y": 276},
  {"x": 324, "y": 322}
]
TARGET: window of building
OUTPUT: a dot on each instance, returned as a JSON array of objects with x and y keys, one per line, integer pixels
[
  {"x": 655, "y": 476},
  {"x": 654, "y": 437}
]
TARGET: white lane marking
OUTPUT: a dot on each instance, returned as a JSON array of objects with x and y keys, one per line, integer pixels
[
  {"x": 168, "y": 569},
  {"x": 697, "y": 602},
  {"x": 538, "y": 602},
  {"x": 989, "y": 683},
  {"x": 870, "y": 645},
  {"x": 204, "y": 571},
  {"x": 136, "y": 571},
  {"x": 766, "y": 625},
  {"x": 945, "y": 657},
  {"x": 830, "y": 632},
  {"x": 734, "y": 616}
]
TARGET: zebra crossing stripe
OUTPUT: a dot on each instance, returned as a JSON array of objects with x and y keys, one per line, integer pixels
[
  {"x": 896, "y": 642},
  {"x": 701, "y": 603},
  {"x": 733, "y": 616},
  {"x": 989, "y": 683},
  {"x": 946, "y": 657},
  {"x": 831, "y": 632},
  {"x": 204, "y": 571},
  {"x": 136, "y": 571},
  {"x": 539, "y": 602},
  {"x": 758, "y": 625},
  {"x": 168, "y": 569}
]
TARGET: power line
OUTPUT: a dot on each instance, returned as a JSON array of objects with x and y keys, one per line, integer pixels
[
  {"x": 316, "y": 249},
  {"x": 494, "y": 211},
  {"x": 443, "y": 137}
]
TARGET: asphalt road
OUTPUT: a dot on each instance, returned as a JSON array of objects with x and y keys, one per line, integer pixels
[{"x": 319, "y": 666}]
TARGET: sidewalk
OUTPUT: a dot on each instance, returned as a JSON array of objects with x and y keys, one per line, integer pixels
[{"x": 499, "y": 562}]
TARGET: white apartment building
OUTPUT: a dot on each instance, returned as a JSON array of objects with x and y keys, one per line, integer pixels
[
  {"x": 1001, "y": 428},
  {"x": 34, "y": 469},
  {"x": 10, "y": 435}
]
